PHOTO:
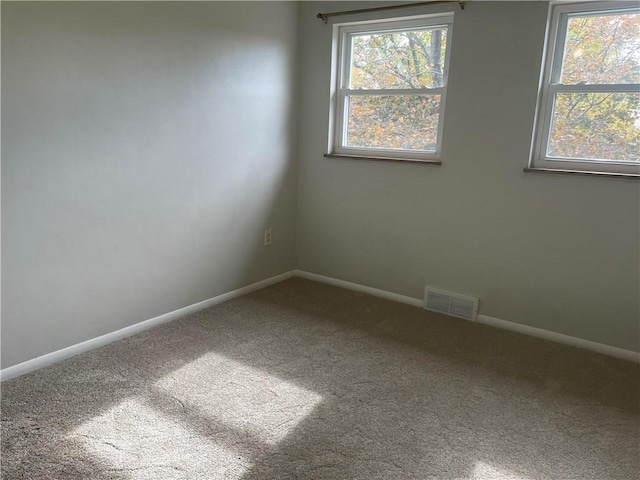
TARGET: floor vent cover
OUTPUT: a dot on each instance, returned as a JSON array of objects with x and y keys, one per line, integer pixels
[{"x": 449, "y": 303}]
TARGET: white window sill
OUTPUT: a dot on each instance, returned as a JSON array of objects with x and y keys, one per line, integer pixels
[
  {"x": 384, "y": 159},
  {"x": 632, "y": 176}
]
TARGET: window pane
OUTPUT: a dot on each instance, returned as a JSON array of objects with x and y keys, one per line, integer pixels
[
  {"x": 602, "y": 49},
  {"x": 596, "y": 126},
  {"x": 407, "y": 59},
  {"x": 405, "y": 122}
]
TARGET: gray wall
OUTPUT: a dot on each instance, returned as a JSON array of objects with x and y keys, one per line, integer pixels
[
  {"x": 555, "y": 252},
  {"x": 146, "y": 146}
]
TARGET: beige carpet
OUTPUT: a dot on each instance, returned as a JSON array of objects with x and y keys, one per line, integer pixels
[{"x": 307, "y": 381}]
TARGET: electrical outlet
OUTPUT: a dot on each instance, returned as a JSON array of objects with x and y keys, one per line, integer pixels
[{"x": 267, "y": 237}]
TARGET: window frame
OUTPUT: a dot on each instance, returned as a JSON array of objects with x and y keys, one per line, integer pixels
[
  {"x": 559, "y": 14},
  {"x": 340, "y": 78}
]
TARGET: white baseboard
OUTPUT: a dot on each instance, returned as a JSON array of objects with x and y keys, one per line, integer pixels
[
  {"x": 561, "y": 338},
  {"x": 73, "y": 350},
  {"x": 494, "y": 322},
  {"x": 416, "y": 302}
]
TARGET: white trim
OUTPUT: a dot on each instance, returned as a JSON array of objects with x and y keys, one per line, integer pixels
[
  {"x": 593, "y": 88},
  {"x": 415, "y": 302},
  {"x": 73, "y": 350},
  {"x": 561, "y": 338},
  {"x": 485, "y": 319}
]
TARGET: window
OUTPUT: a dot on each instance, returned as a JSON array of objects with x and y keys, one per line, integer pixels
[
  {"x": 589, "y": 110},
  {"x": 389, "y": 90}
]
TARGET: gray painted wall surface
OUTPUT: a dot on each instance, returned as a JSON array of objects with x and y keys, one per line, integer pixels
[
  {"x": 555, "y": 252},
  {"x": 146, "y": 146}
]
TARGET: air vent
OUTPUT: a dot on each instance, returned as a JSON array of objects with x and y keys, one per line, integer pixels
[{"x": 449, "y": 303}]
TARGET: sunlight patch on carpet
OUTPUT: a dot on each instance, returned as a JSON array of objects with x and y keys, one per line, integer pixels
[
  {"x": 485, "y": 471},
  {"x": 140, "y": 443},
  {"x": 240, "y": 397}
]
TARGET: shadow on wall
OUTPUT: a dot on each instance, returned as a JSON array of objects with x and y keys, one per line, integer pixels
[{"x": 303, "y": 380}]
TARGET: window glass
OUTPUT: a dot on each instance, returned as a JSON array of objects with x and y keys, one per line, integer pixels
[
  {"x": 404, "y": 122},
  {"x": 589, "y": 111},
  {"x": 596, "y": 126},
  {"x": 602, "y": 49},
  {"x": 390, "y": 87},
  {"x": 408, "y": 59}
]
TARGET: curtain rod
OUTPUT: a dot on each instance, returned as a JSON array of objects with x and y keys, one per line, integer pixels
[{"x": 325, "y": 16}]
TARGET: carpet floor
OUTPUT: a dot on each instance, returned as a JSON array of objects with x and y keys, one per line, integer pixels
[{"x": 306, "y": 381}]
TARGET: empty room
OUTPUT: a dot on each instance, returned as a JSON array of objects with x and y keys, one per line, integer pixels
[{"x": 320, "y": 240}]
